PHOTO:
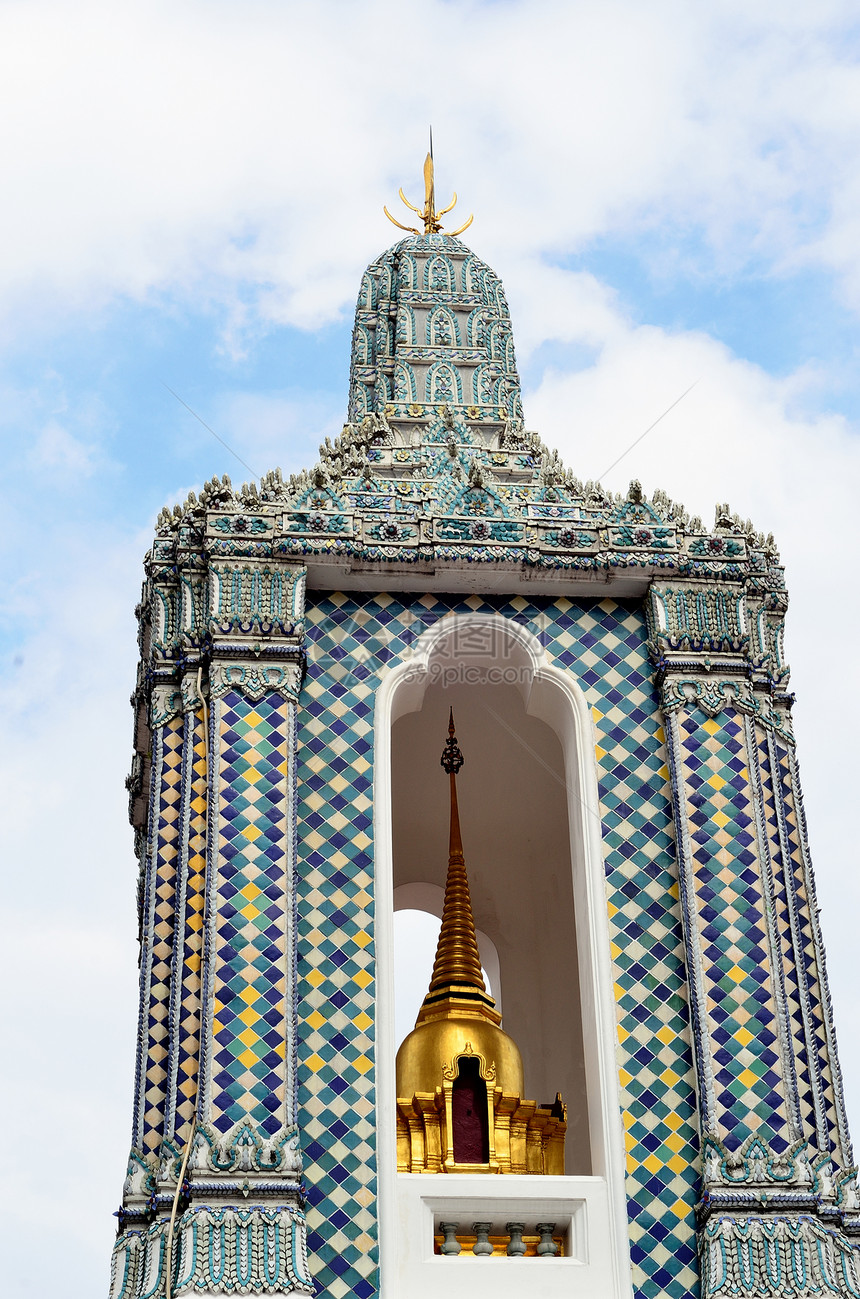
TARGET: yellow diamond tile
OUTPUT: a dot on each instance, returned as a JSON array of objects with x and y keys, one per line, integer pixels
[
  {"x": 250, "y": 912},
  {"x": 247, "y": 1058},
  {"x": 252, "y": 833},
  {"x": 362, "y": 1022},
  {"x": 249, "y": 1016},
  {"x": 744, "y": 1036},
  {"x": 252, "y": 719},
  {"x": 247, "y": 1036}
]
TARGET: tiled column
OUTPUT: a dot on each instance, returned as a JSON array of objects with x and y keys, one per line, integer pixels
[
  {"x": 741, "y": 1069},
  {"x": 184, "y": 1055},
  {"x": 779, "y": 1196},
  {"x": 158, "y": 917},
  {"x": 248, "y": 1075},
  {"x": 214, "y": 1195}
]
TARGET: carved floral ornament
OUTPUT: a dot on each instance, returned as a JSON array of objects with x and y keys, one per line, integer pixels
[
  {"x": 755, "y": 1163},
  {"x": 714, "y": 694},
  {"x": 255, "y": 680}
]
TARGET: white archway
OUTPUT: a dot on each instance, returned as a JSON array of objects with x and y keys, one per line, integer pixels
[{"x": 488, "y": 649}]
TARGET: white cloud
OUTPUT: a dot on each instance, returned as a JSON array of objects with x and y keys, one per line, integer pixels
[
  {"x": 195, "y": 148},
  {"x": 67, "y": 935},
  {"x": 279, "y": 428},
  {"x": 57, "y": 449}
]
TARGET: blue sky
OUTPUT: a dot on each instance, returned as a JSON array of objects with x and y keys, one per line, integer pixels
[{"x": 671, "y": 194}]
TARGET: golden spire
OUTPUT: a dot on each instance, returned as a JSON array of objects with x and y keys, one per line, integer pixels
[
  {"x": 457, "y": 981},
  {"x": 428, "y": 214}
]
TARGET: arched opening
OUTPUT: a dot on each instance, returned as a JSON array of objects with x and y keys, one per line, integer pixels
[
  {"x": 469, "y": 1113},
  {"x": 516, "y": 840},
  {"x": 540, "y": 781}
]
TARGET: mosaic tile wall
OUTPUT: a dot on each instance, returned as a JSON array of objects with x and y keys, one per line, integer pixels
[
  {"x": 741, "y": 1014},
  {"x": 185, "y": 1002},
  {"x": 251, "y": 1071},
  {"x": 353, "y": 641},
  {"x": 153, "y": 1035},
  {"x": 791, "y": 975},
  {"x": 805, "y": 978}
]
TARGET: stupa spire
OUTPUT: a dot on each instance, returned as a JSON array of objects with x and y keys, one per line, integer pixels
[{"x": 457, "y": 976}]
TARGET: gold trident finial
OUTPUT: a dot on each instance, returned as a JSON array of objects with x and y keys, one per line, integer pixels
[{"x": 428, "y": 214}]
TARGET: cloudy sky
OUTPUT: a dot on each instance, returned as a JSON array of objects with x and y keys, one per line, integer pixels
[{"x": 191, "y": 191}]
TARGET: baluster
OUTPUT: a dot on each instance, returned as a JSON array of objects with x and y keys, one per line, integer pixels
[
  {"x": 547, "y": 1247},
  {"x": 450, "y": 1245},
  {"x": 482, "y": 1246},
  {"x": 516, "y": 1244}
]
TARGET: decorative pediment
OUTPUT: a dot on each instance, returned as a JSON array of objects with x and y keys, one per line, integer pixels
[{"x": 246, "y": 1149}]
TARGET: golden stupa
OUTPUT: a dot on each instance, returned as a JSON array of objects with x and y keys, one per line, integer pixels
[{"x": 460, "y": 1106}]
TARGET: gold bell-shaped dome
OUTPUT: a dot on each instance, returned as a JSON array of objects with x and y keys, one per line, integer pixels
[{"x": 459, "y": 1075}]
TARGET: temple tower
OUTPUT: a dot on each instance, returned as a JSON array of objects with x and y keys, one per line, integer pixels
[{"x": 639, "y": 882}]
